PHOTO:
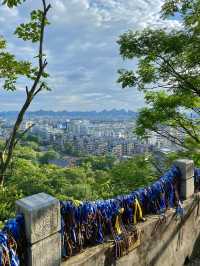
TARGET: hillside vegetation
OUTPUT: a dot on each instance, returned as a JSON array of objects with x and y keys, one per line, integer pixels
[{"x": 95, "y": 178}]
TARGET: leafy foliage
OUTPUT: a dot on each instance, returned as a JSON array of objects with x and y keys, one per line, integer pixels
[
  {"x": 50, "y": 155},
  {"x": 96, "y": 178},
  {"x": 31, "y": 31},
  {"x": 167, "y": 72},
  {"x": 131, "y": 174},
  {"x": 11, "y": 70},
  {"x": 13, "y": 3},
  {"x": 8, "y": 196},
  {"x": 100, "y": 162}
]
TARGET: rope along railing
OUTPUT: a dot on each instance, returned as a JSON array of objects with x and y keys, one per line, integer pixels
[
  {"x": 90, "y": 223},
  {"x": 12, "y": 242}
]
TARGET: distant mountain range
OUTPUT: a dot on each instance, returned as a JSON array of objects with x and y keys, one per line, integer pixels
[{"x": 90, "y": 115}]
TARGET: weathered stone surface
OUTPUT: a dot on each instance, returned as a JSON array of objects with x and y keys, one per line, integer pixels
[
  {"x": 46, "y": 252},
  {"x": 42, "y": 222},
  {"x": 186, "y": 167},
  {"x": 42, "y": 216},
  {"x": 187, "y": 173},
  {"x": 187, "y": 188}
]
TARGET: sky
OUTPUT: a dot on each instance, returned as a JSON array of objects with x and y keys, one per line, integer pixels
[{"x": 82, "y": 53}]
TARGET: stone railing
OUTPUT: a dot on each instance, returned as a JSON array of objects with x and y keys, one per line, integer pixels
[{"x": 43, "y": 232}]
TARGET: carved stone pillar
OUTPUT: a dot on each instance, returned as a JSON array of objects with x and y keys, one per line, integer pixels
[
  {"x": 42, "y": 226},
  {"x": 186, "y": 168}
]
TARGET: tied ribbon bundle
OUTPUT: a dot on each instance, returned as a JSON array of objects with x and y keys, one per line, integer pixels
[
  {"x": 10, "y": 241},
  {"x": 89, "y": 223}
]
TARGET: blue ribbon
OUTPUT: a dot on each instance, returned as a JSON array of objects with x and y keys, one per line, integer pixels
[
  {"x": 13, "y": 227},
  {"x": 153, "y": 199}
]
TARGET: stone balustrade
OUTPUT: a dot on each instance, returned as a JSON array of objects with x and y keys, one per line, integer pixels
[{"x": 43, "y": 225}]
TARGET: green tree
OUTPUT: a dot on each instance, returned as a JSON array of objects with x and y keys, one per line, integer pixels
[
  {"x": 167, "y": 72},
  {"x": 29, "y": 177},
  {"x": 49, "y": 155},
  {"x": 131, "y": 174},
  {"x": 102, "y": 188},
  {"x": 31, "y": 138},
  {"x": 8, "y": 196},
  {"x": 11, "y": 70},
  {"x": 100, "y": 162},
  {"x": 68, "y": 148}
]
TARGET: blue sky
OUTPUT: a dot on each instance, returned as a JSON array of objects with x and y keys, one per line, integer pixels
[{"x": 82, "y": 52}]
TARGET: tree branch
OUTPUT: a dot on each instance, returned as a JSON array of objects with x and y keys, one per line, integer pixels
[
  {"x": 193, "y": 136},
  {"x": 45, "y": 10},
  {"x": 27, "y": 91},
  {"x": 22, "y": 134},
  {"x": 39, "y": 89},
  {"x": 171, "y": 138},
  {"x": 179, "y": 76},
  {"x": 30, "y": 95}
]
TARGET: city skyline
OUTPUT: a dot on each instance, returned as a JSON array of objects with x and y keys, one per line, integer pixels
[
  {"x": 84, "y": 56},
  {"x": 82, "y": 137}
]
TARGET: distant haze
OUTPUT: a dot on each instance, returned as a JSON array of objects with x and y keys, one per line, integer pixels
[{"x": 91, "y": 115}]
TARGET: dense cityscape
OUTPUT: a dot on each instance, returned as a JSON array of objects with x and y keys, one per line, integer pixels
[{"x": 75, "y": 138}]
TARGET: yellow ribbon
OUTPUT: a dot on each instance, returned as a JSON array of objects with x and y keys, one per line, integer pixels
[
  {"x": 138, "y": 210},
  {"x": 117, "y": 222},
  {"x": 77, "y": 203},
  {"x": 117, "y": 226}
]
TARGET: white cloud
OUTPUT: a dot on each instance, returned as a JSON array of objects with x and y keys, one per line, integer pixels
[
  {"x": 82, "y": 52},
  {"x": 8, "y": 12}
]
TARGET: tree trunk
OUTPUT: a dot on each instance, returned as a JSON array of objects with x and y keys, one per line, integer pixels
[{"x": 2, "y": 176}]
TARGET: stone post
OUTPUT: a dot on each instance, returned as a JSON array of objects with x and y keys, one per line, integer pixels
[
  {"x": 42, "y": 226},
  {"x": 186, "y": 168}
]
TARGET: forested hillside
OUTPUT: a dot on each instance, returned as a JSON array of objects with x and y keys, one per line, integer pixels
[{"x": 95, "y": 178}]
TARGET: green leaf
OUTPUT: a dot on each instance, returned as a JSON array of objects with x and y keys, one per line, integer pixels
[
  {"x": 166, "y": 69},
  {"x": 12, "y": 3},
  {"x": 31, "y": 31}
]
